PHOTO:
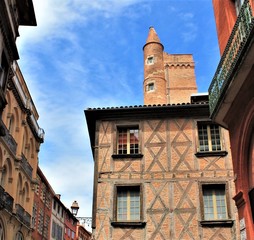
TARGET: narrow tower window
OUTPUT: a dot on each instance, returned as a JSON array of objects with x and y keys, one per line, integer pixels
[
  {"x": 150, "y": 87},
  {"x": 150, "y": 60}
]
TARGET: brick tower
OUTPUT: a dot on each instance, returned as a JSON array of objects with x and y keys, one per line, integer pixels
[
  {"x": 168, "y": 78},
  {"x": 154, "y": 76}
]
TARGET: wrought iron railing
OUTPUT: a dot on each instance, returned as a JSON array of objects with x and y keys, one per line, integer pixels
[
  {"x": 9, "y": 140},
  {"x": 6, "y": 201},
  {"x": 20, "y": 212},
  {"x": 22, "y": 215},
  {"x": 27, "y": 219},
  {"x": 27, "y": 104},
  {"x": 85, "y": 221},
  {"x": 40, "y": 132},
  {"x": 26, "y": 166},
  {"x": 238, "y": 39},
  {"x": 1, "y": 197}
]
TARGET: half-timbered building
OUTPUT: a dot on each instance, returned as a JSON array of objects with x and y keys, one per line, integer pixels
[{"x": 162, "y": 170}]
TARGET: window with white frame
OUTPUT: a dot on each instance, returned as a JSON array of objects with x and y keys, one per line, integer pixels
[
  {"x": 128, "y": 140},
  {"x": 150, "y": 60},
  {"x": 209, "y": 137},
  {"x": 150, "y": 87}
]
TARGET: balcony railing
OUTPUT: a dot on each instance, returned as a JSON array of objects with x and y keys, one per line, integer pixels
[
  {"x": 6, "y": 201},
  {"x": 27, "y": 219},
  {"x": 27, "y": 104},
  {"x": 22, "y": 215},
  {"x": 9, "y": 140},
  {"x": 26, "y": 166},
  {"x": 238, "y": 39},
  {"x": 39, "y": 131}
]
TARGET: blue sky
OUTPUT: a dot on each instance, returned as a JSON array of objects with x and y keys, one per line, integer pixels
[{"x": 88, "y": 53}]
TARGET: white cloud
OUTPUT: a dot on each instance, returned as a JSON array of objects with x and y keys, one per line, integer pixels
[{"x": 54, "y": 18}]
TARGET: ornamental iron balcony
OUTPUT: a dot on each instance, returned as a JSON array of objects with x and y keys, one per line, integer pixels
[
  {"x": 6, "y": 201},
  {"x": 87, "y": 221},
  {"x": 26, "y": 166},
  {"x": 23, "y": 216},
  {"x": 20, "y": 211},
  {"x": 1, "y": 197},
  {"x": 21, "y": 92},
  {"x": 26, "y": 103},
  {"x": 238, "y": 41},
  {"x": 27, "y": 219},
  {"x": 9, "y": 140},
  {"x": 39, "y": 131}
]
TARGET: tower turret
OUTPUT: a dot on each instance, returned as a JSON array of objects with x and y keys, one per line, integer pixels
[{"x": 154, "y": 85}]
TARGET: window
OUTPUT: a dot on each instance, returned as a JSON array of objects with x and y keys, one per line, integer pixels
[
  {"x": 57, "y": 231},
  {"x": 128, "y": 203},
  {"x": 150, "y": 60},
  {"x": 34, "y": 215},
  {"x": 19, "y": 236},
  {"x": 128, "y": 141},
  {"x": 150, "y": 87},
  {"x": 209, "y": 137},
  {"x": 72, "y": 235},
  {"x": 1, "y": 231},
  {"x": 214, "y": 201},
  {"x": 3, "y": 70}
]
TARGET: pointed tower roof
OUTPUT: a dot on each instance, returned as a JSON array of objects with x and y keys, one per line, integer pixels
[{"x": 153, "y": 37}]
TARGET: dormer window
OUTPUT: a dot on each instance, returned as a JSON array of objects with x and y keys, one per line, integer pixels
[{"x": 150, "y": 60}]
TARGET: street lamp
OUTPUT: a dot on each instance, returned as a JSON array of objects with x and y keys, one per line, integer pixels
[
  {"x": 84, "y": 220},
  {"x": 74, "y": 208}
]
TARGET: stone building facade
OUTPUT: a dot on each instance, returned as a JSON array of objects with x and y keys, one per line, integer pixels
[
  {"x": 162, "y": 170},
  {"x": 18, "y": 159},
  {"x": 12, "y": 14}
]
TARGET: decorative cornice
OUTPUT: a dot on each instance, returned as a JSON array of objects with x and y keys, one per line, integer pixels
[{"x": 180, "y": 64}]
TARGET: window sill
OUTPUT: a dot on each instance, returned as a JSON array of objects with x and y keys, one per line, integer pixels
[
  {"x": 128, "y": 224},
  {"x": 211, "y": 153},
  {"x": 212, "y": 223},
  {"x": 127, "y": 156}
]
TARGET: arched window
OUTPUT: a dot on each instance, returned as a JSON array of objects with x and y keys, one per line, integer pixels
[
  {"x": 11, "y": 124},
  {"x": 6, "y": 177},
  {"x": 3, "y": 177},
  {"x": 25, "y": 143},
  {"x": 19, "y": 190},
  {"x": 1, "y": 231},
  {"x": 19, "y": 236}
]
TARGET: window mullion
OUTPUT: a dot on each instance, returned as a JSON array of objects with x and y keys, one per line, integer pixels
[
  {"x": 128, "y": 205},
  {"x": 128, "y": 141},
  {"x": 209, "y": 137},
  {"x": 214, "y": 205}
]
